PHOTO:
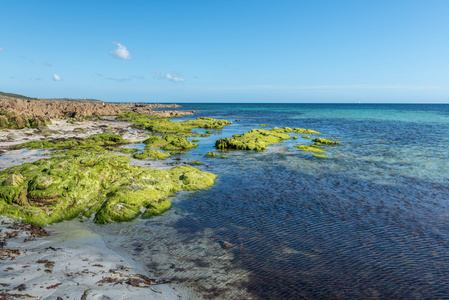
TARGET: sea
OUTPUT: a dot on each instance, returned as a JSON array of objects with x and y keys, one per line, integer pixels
[{"x": 371, "y": 221}]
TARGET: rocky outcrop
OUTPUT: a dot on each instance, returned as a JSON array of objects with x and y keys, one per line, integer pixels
[{"x": 18, "y": 113}]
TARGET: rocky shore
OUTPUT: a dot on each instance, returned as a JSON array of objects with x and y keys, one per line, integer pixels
[
  {"x": 18, "y": 113},
  {"x": 67, "y": 260}
]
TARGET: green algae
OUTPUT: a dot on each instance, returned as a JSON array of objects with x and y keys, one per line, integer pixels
[
  {"x": 105, "y": 187},
  {"x": 211, "y": 154},
  {"x": 223, "y": 156},
  {"x": 256, "y": 139},
  {"x": 93, "y": 141},
  {"x": 306, "y": 137},
  {"x": 264, "y": 125},
  {"x": 164, "y": 126},
  {"x": 320, "y": 156},
  {"x": 168, "y": 143},
  {"x": 259, "y": 139},
  {"x": 311, "y": 148},
  {"x": 321, "y": 141},
  {"x": 195, "y": 141},
  {"x": 155, "y": 154}
]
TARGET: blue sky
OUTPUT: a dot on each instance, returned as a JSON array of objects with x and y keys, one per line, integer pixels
[{"x": 227, "y": 51}]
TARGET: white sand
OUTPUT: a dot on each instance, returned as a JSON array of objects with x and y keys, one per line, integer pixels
[{"x": 81, "y": 259}]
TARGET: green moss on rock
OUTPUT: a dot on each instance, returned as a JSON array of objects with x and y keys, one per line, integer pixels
[
  {"x": 259, "y": 139},
  {"x": 164, "y": 126},
  {"x": 155, "y": 154},
  {"x": 101, "y": 139},
  {"x": 104, "y": 186},
  {"x": 256, "y": 139},
  {"x": 321, "y": 141},
  {"x": 311, "y": 148},
  {"x": 211, "y": 154},
  {"x": 169, "y": 143}
]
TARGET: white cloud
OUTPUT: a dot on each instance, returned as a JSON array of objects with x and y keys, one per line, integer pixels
[
  {"x": 172, "y": 77},
  {"x": 121, "y": 51},
  {"x": 56, "y": 77}
]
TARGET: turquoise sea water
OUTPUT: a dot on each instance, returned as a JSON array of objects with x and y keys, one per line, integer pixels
[{"x": 372, "y": 221}]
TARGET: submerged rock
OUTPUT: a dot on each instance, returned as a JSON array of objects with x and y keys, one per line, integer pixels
[
  {"x": 311, "y": 148},
  {"x": 103, "y": 186}
]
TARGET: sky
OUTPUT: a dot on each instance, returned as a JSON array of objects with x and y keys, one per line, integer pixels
[{"x": 372, "y": 51}]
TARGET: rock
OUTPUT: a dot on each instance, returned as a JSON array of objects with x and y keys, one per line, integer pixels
[
  {"x": 211, "y": 154},
  {"x": 38, "y": 122},
  {"x": 311, "y": 148},
  {"x": 103, "y": 186},
  {"x": 80, "y": 130},
  {"x": 225, "y": 245},
  {"x": 4, "y": 123},
  {"x": 12, "y": 136},
  {"x": 155, "y": 154},
  {"x": 321, "y": 141},
  {"x": 18, "y": 122},
  {"x": 47, "y": 132}
]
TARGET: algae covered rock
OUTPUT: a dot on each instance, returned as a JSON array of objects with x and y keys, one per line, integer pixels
[
  {"x": 256, "y": 139},
  {"x": 311, "y": 148},
  {"x": 100, "y": 139},
  {"x": 104, "y": 186},
  {"x": 164, "y": 126},
  {"x": 259, "y": 139},
  {"x": 211, "y": 154},
  {"x": 321, "y": 141},
  {"x": 169, "y": 143},
  {"x": 155, "y": 154},
  {"x": 320, "y": 156}
]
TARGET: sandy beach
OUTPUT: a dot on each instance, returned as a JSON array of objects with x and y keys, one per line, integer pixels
[{"x": 72, "y": 263}]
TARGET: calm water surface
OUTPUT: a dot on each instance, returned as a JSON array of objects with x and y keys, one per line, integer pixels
[{"x": 372, "y": 221}]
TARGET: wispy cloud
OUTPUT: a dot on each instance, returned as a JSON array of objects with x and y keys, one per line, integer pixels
[
  {"x": 121, "y": 51},
  {"x": 174, "y": 77},
  {"x": 56, "y": 77},
  {"x": 2, "y": 49},
  {"x": 46, "y": 63}
]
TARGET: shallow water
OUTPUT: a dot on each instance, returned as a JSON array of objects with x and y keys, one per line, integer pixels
[{"x": 370, "y": 222}]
